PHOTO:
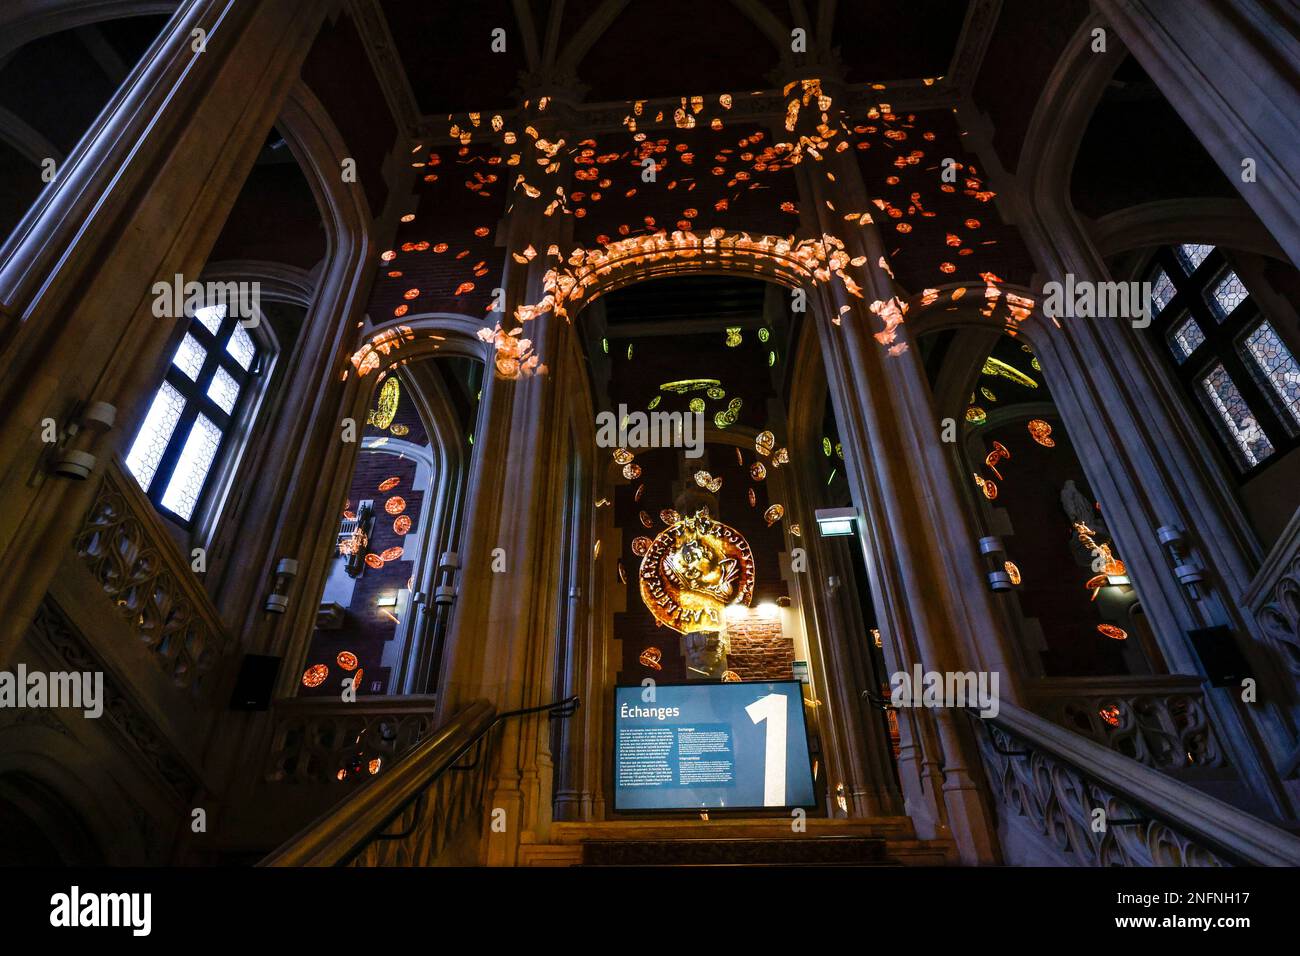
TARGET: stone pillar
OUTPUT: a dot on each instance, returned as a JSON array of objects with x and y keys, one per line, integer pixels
[
  {"x": 933, "y": 605},
  {"x": 1229, "y": 70},
  {"x": 143, "y": 199},
  {"x": 501, "y": 643}
]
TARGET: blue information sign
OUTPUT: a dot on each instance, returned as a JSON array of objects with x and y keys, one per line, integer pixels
[{"x": 738, "y": 746}]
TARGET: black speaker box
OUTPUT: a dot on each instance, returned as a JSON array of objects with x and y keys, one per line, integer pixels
[
  {"x": 255, "y": 683},
  {"x": 1225, "y": 665}
]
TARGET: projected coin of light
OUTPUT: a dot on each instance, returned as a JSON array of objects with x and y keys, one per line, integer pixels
[{"x": 692, "y": 570}]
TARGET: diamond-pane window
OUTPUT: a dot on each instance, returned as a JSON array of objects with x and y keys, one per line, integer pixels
[
  {"x": 191, "y": 470},
  {"x": 211, "y": 316},
  {"x": 189, "y": 357},
  {"x": 1275, "y": 366},
  {"x": 1191, "y": 256},
  {"x": 1185, "y": 338},
  {"x": 224, "y": 390},
  {"x": 1226, "y": 294},
  {"x": 241, "y": 347},
  {"x": 151, "y": 441},
  {"x": 1162, "y": 290},
  {"x": 1238, "y": 421}
]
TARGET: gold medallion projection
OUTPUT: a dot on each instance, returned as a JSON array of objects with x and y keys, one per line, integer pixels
[{"x": 693, "y": 570}]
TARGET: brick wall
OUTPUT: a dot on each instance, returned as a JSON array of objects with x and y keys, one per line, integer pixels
[{"x": 760, "y": 650}]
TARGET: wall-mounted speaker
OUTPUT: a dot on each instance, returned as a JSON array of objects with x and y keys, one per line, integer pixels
[
  {"x": 1225, "y": 665},
  {"x": 255, "y": 683}
]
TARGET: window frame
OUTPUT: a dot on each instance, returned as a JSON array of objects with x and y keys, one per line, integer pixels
[
  {"x": 1222, "y": 344},
  {"x": 234, "y": 426}
]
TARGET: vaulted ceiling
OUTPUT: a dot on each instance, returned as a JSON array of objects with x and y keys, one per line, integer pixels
[{"x": 641, "y": 49}]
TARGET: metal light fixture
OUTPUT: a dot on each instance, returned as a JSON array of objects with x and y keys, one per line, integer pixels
[
  {"x": 835, "y": 522},
  {"x": 999, "y": 578},
  {"x": 277, "y": 602},
  {"x": 1186, "y": 569},
  {"x": 78, "y": 462}
]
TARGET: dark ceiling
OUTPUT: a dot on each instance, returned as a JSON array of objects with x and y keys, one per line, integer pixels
[{"x": 655, "y": 48}]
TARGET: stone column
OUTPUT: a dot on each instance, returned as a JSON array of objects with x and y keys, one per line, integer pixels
[
  {"x": 500, "y": 645},
  {"x": 1229, "y": 70},
  {"x": 143, "y": 199},
  {"x": 933, "y": 604}
]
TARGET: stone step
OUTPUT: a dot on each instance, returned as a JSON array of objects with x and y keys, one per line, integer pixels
[{"x": 793, "y": 851}]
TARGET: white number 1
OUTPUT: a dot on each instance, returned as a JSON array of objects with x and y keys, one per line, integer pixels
[{"x": 772, "y": 709}]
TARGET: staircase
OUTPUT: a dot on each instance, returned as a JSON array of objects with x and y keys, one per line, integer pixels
[{"x": 884, "y": 841}]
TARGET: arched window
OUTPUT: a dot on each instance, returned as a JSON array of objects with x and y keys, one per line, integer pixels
[
  {"x": 1236, "y": 361},
  {"x": 193, "y": 421}
]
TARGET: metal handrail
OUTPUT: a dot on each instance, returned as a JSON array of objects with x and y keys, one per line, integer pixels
[{"x": 342, "y": 833}]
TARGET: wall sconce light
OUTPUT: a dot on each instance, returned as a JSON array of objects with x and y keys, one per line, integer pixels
[
  {"x": 1186, "y": 569},
  {"x": 78, "y": 462},
  {"x": 735, "y": 612},
  {"x": 995, "y": 553},
  {"x": 768, "y": 611},
  {"x": 835, "y": 522},
  {"x": 387, "y": 600},
  {"x": 278, "y": 600}
]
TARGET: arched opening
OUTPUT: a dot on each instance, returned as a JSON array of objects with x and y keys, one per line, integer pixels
[{"x": 382, "y": 611}]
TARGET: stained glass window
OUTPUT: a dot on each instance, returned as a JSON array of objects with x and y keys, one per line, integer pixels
[
  {"x": 192, "y": 467},
  {"x": 188, "y": 423},
  {"x": 1162, "y": 290},
  {"x": 211, "y": 317},
  {"x": 1185, "y": 338},
  {"x": 189, "y": 356},
  {"x": 1239, "y": 423},
  {"x": 241, "y": 347},
  {"x": 1226, "y": 294},
  {"x": 1192, "y": 255},
  {"x": 224, "y": 390},
  {"x": 147, "y": 449},
  {"x": 1276, "y": 367}
]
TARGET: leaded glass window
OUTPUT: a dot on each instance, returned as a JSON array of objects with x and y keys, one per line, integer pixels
[
  {"x": 1238, "y": 364},
  {"x": 1191, "y": 256},
  {"x": 1238, "y": 420},
  {"x": 1185, "y": 338},
  {"x": 1275, "y": 367},
  {"x": 1226, "y": 293},
  {"x": 189, "y": 422},
  {"x": 1162, "y": 291}
]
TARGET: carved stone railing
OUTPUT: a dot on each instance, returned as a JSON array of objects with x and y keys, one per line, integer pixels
[
  {"x": 1161, "y": 722},
  {"x": 1048, "y": 784},
  {"x": 322, "y": 740},
  {"x": 134, "y": 559},
  {"x": 1274, "y": 597},
  {"x": 407, "y": 816}
]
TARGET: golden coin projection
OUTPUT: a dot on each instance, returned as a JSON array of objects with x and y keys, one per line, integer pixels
[
  {"x": 385, "y": 409},
  {"x": 315, "y": 675},
  {"x": 693, "y": 570},
  {"x": 669, "y": 516},
  {"x": 388, "y": 484},
  {"x": 758, "y": 471},
  {"x": 640, "y": 545},
  {"x": 1041, "y": 432},
  {"x": 374, "y": 561},
  {"x": 646, "y": 520},
  {"x": 402, "y": 525},
  {"x": 622, "y": 456},
  {"x": 773, "y": 514},
  {"x": 651, "y": 657},
  {"x": 781, "y": 457},
  {"x": 753, "y": 499},
  {"x": 632, "y": 471},
  {"x": 730, "y": 677},
  {"x": 395, "y": 505},
  {"x": 347, "y": 660},
  {"x": 1113, "y": 632},
  {"x": 764, "y": 442},
  {"x": 391, "y": 554}
]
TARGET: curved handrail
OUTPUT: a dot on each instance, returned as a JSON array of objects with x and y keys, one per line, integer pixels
[{"x": 341, "y": 834}]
